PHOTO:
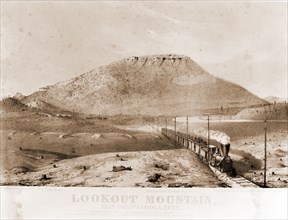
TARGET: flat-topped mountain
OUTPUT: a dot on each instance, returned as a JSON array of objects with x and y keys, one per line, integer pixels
[{"x": 147, "y": 85}]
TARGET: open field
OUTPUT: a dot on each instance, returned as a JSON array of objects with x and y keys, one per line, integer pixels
[
  {"x": 165, "y": 168},
  {"x": 24, "y": 140},
  {"x": 32, "y": 143}
]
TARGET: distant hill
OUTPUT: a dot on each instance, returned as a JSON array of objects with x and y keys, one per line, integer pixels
[
  {"x": 147, "y": 85},
  {"x": 44, "y": 107},
  {"x": 273, "y": 111},
  {"x": 19, "y": 96},
  {"x": 12, "y": 105},
  {"x": 272, "y": 99}
]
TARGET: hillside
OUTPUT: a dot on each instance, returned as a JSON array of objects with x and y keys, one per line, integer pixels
[
  {"x": 45, "y": 107},
  {"x": 19, "y": 96},
  {"x": 12, "y": 105},
  {"x": 273, "y": 111},
  {"x": 148, "y": 85}
]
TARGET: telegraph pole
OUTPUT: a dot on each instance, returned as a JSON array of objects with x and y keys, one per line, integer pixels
[
  {"x": 166, "y": 125},
  {"x": 208, "y": 132},
  {"x": 265, "y": 151},
  {"x": 187, "y": 130},
  {"x": 175, "y": 130},
  {"x": 157, "y": 123}
]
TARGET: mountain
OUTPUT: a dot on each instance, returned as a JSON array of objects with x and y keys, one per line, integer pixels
[
  {"x": 44, "y": 107},
  {"x": 12, "y": 105},
  {"x": 19, "y": 96},
  {"x": 147, "y": 85}
]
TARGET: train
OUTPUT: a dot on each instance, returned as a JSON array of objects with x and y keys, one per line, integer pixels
[{"x": 216, "y": 154}]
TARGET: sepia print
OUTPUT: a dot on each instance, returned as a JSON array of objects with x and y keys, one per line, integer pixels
[{"x": 144, "y": 94}]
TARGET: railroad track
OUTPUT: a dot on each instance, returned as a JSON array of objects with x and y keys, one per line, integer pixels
[
  {"x": 201, "y": 150},
  {"x": 233, "y": 182}
]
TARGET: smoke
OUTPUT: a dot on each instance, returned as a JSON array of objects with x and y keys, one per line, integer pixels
[{"x": 216, "y": 135}]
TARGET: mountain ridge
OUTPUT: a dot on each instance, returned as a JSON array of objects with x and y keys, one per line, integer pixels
[{"x": 146, "y": 85}]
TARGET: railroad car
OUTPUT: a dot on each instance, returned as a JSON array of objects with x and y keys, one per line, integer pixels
[{"x": 216, "y": 154}]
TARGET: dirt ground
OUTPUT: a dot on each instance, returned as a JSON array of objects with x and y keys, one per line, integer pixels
[
  {"x": 175, "y": 168},
  {"x": 33, "y": 150},
  {"x": 247, "y": 149},
  {"x": 248, "y": 159},
  {"x": 33, "y": 143}
]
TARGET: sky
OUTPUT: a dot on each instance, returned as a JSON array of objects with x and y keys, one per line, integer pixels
[{"x": 44, "y": 42}]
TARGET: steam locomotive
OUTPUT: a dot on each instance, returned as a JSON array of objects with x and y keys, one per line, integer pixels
[{"x": 216, "y": 154}]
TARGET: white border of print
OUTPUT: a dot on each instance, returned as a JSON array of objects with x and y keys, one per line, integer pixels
[{"x": 142, "y": 203}]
